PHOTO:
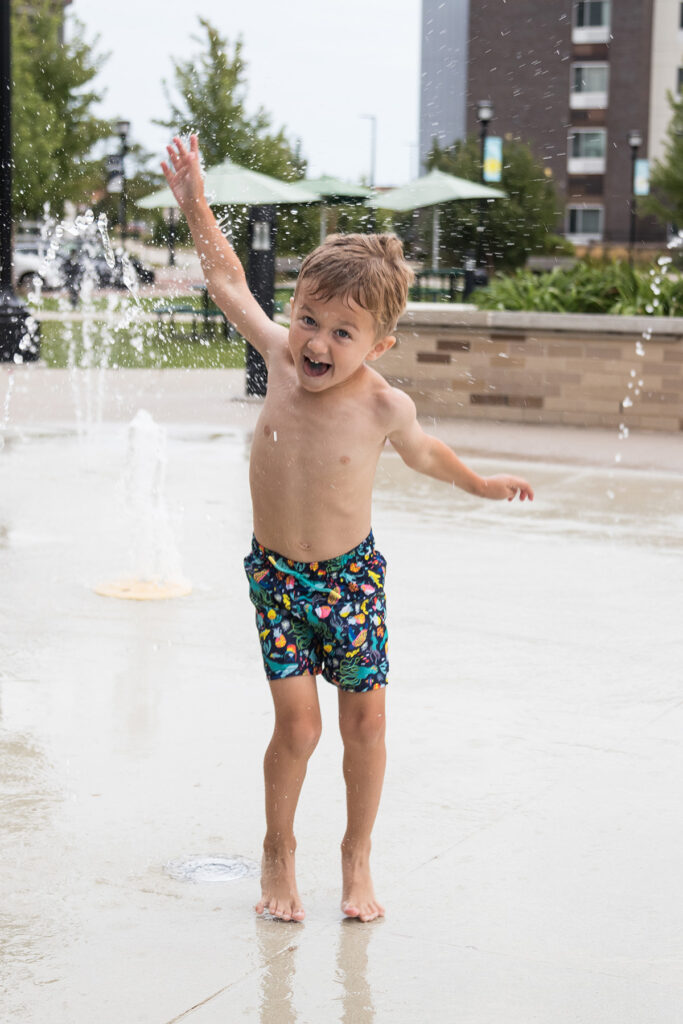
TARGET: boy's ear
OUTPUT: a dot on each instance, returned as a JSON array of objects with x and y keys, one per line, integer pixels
[{"x": 380, "y": 347}]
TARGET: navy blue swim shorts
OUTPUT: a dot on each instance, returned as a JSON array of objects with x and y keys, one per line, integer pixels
[{"x": 322, "y": 617}]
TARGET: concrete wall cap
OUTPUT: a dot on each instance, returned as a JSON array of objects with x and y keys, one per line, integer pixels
[{"x": 443, "y": 315}]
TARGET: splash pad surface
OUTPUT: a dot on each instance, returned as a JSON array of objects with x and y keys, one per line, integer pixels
[{"x": 527, "y": 846}]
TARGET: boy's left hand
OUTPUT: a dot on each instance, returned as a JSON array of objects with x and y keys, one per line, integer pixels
[{"x": 503, "y": 486}]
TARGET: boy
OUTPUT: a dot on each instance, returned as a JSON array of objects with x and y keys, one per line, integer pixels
[{"x": 315, "y": 578}]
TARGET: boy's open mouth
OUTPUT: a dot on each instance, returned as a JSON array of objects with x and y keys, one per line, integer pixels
[{"x": 313, "y": 369}]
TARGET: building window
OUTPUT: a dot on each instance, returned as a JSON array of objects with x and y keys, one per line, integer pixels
[
  {"x": 587, "y": 151},
  {"x": 592, "y": 14},
  {"x": 589, "y": 143},
  {"x": 584, "y": 223},
  {"x": 589, "y": 86},
  {"x": 680, "y": 16},
  {"x": 591, "y": 21},
  {"x": 680, "y": 79}
]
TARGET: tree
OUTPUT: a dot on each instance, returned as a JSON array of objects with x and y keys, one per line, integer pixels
[
  {"x": 211, "y": 87},
  {"x": 54, "y": 128},
  {"x": 665, "y": 201},
  {"x": 212, "y": 93},
  {"x": 514, "y": 228}
]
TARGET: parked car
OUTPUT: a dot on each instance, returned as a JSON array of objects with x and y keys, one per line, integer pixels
[
  {"x": 30, "y": 268},
  {"x": 71, "y": 262},
  {"x": 92, "y": 260}
]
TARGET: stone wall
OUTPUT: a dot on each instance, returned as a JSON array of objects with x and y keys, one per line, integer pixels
[{"x": 540, "y": 367}]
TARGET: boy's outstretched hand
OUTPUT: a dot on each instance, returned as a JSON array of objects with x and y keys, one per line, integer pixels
[
  {"x": 499, "y": 487},
  {"x": 185, "y": 180}
]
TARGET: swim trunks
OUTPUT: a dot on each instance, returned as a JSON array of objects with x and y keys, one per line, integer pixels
[{"x": 322, "y": 617}]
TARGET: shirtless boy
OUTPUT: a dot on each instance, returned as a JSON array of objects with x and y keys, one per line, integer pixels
[{"x": 315, "y": 577}]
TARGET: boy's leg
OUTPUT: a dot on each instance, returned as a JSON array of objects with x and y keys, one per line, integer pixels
[
  {"x": 296, "y": 733},
  {"x": 362, "y": 725}
]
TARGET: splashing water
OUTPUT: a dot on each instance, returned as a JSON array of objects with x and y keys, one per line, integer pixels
[
  {"x": 211, "y": 869},
  {"x": 6, "y": 406},
  {"x": 154, "y": 570}
]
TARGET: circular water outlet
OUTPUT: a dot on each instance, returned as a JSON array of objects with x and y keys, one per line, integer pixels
[{"x": 211, "y": 868}]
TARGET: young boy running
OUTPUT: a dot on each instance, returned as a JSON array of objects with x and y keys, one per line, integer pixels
[{"x": 315, "y": 577}]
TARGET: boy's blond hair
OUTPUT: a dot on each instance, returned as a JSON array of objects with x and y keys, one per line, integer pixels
[{"x": 370, "y": 269}]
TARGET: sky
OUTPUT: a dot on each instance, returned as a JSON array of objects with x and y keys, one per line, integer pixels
[{"x": 316, "y": 66}]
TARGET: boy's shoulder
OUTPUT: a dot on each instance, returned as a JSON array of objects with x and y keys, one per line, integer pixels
[{"x": 393, "y": 407}]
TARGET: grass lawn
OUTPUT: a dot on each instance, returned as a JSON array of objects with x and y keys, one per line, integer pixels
[{"x": 142, "y": 346}]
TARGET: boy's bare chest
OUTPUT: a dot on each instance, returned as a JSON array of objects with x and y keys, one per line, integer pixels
[{"x": 322, "y": 440}]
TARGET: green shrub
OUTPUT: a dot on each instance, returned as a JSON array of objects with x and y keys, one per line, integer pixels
[{"x": 588, "y": 287}]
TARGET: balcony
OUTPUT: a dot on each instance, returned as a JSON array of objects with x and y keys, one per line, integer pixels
[
  {"x": 588, "y": 100},
  {"x": 586, "y": 165},
  {"x": 591, "y": 34}
]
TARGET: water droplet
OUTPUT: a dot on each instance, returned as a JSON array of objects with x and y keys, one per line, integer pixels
[{"x": 626, "y": 403}]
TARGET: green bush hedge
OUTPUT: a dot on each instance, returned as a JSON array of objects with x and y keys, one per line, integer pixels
[{"x": 588, "y": 287}]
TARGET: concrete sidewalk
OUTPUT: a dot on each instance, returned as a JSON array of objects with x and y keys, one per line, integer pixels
[{"x": 528, "y": 846}]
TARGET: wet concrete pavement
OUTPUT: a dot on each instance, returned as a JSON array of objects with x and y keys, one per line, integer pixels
[{"x": 528, "y": 845}]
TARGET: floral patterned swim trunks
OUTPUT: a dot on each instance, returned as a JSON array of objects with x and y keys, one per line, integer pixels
[{"x": 322, "y": 617}]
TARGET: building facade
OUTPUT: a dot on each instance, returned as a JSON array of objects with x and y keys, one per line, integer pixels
[{"x": 571, "y": 79}]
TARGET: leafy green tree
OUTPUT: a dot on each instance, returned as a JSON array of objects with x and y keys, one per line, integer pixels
[
  {"x": 211, "y": 91},
  {"x": 514, "y": 228},
  {"x": 53, "y": 124},
  {"x": 665, "y": 201}
]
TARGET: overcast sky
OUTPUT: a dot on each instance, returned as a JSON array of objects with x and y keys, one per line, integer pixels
[{"x": 315, "y": 65}]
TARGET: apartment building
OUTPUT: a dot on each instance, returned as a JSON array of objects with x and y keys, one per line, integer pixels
[{"x": 572, "y": 79}]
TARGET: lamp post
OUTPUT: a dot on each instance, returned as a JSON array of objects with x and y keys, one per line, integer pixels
[
  {"x": 170, "y": 221},
  {"x": 122, "y": 130},
  {"x": 635, "y": 141},
  {"x": 372, "y": 222},
  {"x": 18, "y": 334},
  {"x": 484, "y": 116},
  {"x": 261, "y": 282}
]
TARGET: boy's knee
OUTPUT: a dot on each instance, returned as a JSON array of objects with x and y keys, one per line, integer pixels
[
  {"x": 300, "y": 733},
  {"x": 362, "y": 727}
]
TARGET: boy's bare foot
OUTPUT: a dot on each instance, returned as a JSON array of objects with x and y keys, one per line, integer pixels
[
  {"x": 279, "y": 894},
  {"x": 358, "y": 895}
]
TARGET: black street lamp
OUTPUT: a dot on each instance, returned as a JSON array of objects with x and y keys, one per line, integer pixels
[
  {"x": 261, "y": 281},
  {"x": 18, "y": 334},
  {"x": 122, "y": 130},
  {"x": 635, "y": 141},
  {"x": 484, "y": 116}
]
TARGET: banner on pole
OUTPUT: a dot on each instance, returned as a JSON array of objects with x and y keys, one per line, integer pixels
[
  {"x": 493, "y": 158},
  {"x": 641, "y": 178}
]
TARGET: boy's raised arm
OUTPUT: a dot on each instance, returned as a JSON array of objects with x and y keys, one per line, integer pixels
[{"x": 224, "y": 274}]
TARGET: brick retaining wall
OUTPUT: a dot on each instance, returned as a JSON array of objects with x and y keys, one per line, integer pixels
[{"x": 540, "y": 367}]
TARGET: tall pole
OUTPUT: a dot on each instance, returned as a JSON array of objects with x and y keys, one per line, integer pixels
[
  {"x": 372, "y": 216},
  {"x": 18, "y": 335},
  {"x": 261, "y": 281},
  {"x": 484, "y": 115},
  {"x": 635, "y": 141},
  {"x": 122, "y": 130}
]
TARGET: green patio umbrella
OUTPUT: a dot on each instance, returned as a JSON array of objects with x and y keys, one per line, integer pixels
[
  {"x": 433, "y": 189},
  {"x": 229, "y": 184},
  {"x": 334, "y": 192}
]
